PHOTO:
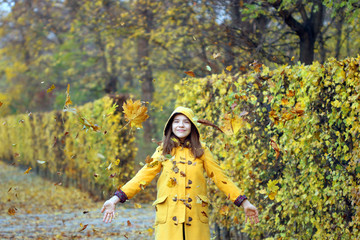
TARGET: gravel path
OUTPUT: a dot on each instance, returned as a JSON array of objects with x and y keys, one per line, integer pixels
[{"x": 45, "y": 211}]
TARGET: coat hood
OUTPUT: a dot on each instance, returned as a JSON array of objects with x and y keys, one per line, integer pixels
[{"x": 187, "y": 112}]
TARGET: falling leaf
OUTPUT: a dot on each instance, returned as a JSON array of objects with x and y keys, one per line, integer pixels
[
  {"x": 275, "y": 147},
  {"x": 208, "y": 68},
  {"x": 51, "y": 88},
  {"x": 211, "y": 175},
  {"x": 117, "y": 161},
  {"x": 291, "y": 93},
  {"x": 128, "y": 223},
  {"x": 208, "y": 123},
  {"x": 243, "y": 113},
  {"x": 143, "y": 184},
  {"x": 9, "y": 189},
  {"x": 16, "y": 155},
  {"x": 58, "y": 184},
  {"x": 229, "y": 68},
  {"x": 68, "y": 100},
  {"x": 150, "y": 231},
  {"x": 232, "y": 125},
  {"x": 112, "y": 175},
  {"x": 41, "y": 162},
  {"x": 12, "y": 211},
  {"x": 85, "y": 212},
  {"x": 148, "y": 159},
  {"x": 135, "y": 113},
  {"x": 298, "y": 109},
  {"x": 171, "y": 182},
  {"x": 83, "y": 227},
  {"x": 256, "y": 65},
  {"x": 292, "y": 58},
  {"x": 96, "y": 175},
  {"x": 224, "y": 210},
  {"x": 136, "y": 205},
  {"x": 190, "y": 73},
  {"x": 272, "y": 195},
  {"x": 174, "y": 139},
  {"x": 27, "y": 171},
  {"x": 216, "y": 55},
  {"x": 284, "y": 101},
  {"x": 236, "y": 220},
  {"x": 1, "y": 103},
  {"x": 55, "y": 141},
  {"x": 204, "y": 213}
]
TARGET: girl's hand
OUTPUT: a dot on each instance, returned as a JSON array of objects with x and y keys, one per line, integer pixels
[
  {"x": 109, "y": 209},
  {"x": 251, "y": 212}
]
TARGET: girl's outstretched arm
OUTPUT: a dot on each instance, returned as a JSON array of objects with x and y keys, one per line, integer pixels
[
  {"x": 109, "y": 209},
  {"x": 251, "y": 212}
]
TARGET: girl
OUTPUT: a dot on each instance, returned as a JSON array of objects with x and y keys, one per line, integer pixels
[{"x": 182, "y": 204}]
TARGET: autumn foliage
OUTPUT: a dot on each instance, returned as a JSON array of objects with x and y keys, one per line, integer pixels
[
  {"x": 292, "y": 145},
  {"x": 83, "y": 146}
]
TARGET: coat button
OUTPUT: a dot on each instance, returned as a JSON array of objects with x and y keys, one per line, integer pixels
[
  {"x": 189, "y": 200},
  {"x": 174, "y": 218},
  {"x": 190, "y": 219},
  {"x": 189, "y": 182},
  {"x": 175, "y": 199},
  {"x": 189, "y": 162}
]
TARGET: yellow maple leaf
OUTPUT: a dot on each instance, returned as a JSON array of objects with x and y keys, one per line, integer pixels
[
  {"x": 232, "y": 125},
  {"x": 229, "y": 68},
  {"x": 135, "y": 113}
]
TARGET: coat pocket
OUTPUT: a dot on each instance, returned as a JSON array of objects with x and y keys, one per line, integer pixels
[
  {"x": 203, "y": 208},
  {"x": 161, "y": 207}
]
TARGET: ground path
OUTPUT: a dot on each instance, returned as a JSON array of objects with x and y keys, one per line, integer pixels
[{"x": 47, "y": 211}]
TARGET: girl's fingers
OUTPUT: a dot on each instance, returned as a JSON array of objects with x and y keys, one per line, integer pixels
[{"x": 102, "y": 209}]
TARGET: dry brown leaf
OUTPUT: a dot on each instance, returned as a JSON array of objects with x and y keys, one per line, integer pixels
[
  {"x": 275, "y": 147},
  {"x": 12, "y": 211},
  {"x": 135, "y": 113},
  {"x": 208, "y": 123},
  {"x": 82, "y": 227},
  {"x": 190, "y": 73}
]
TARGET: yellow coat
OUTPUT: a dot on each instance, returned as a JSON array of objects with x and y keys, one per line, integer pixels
[{"x": 182, "y": 192}]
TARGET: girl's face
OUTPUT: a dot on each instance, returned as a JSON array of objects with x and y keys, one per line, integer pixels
[{"x": 181, "y": 126}]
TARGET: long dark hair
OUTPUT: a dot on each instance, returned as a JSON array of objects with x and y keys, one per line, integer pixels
[{"x": 192, "y": 141}]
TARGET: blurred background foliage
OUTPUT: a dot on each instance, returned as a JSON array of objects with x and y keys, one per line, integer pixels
[{"x": 146, "y": 50}]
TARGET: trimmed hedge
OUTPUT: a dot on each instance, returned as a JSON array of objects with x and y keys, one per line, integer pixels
[
  {"x": 56, "y": 146},
  {"x": 296, "y": 154}
]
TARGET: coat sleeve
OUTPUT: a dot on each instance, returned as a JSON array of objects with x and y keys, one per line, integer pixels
[
  {"x": 143, "y": 177},
  {"x": 222, "y": 181}
]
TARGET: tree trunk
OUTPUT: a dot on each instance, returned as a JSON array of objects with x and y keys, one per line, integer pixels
[
  {"x": 307, "y": 43},
  {"x": 144, "y": 67}
]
